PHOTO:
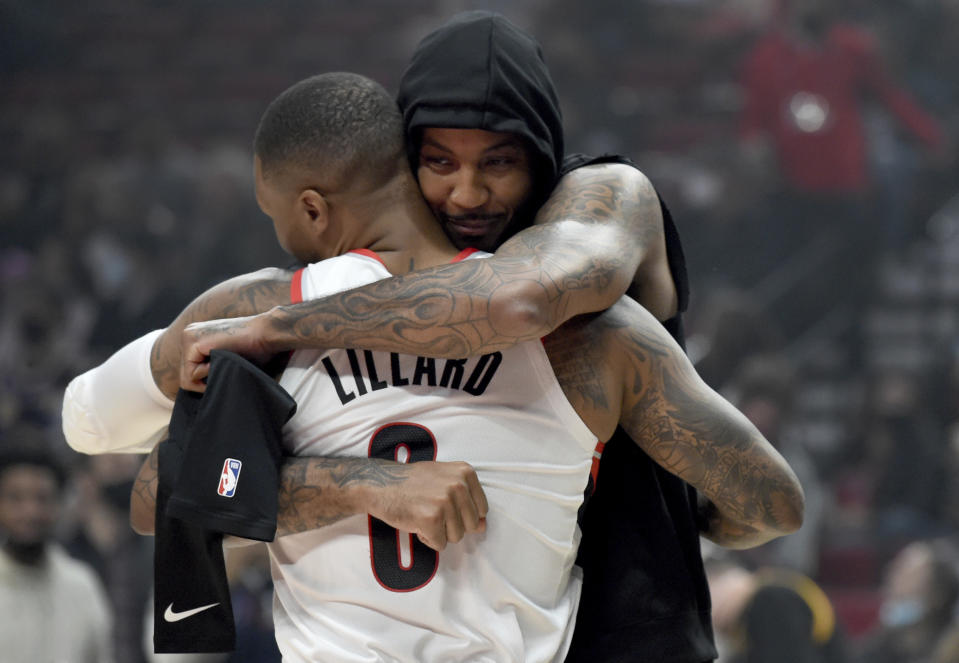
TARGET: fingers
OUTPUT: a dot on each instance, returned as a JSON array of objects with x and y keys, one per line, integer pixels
[
  {"x": 464, "y": 517},
  {"x": 468, "y": 506},
  {"x": 430, "y": 543},
  {"x": 441, "y": 502},
  {"x": 194, "y": 367},
  {"x": 457, "y": 513},
  {"x": 200, "y": 373},
  {"x": 434, "y": 533},
  {"x": 477, "y": 495}
]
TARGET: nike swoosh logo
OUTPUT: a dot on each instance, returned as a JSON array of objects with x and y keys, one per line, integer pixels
[{"x": 171, "y": 616}]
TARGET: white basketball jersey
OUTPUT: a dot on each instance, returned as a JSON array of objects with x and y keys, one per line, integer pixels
[{"x": 359, "y": 590}]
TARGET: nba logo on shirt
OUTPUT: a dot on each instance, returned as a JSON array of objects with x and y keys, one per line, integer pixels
[{"x": 229, "y": 478}]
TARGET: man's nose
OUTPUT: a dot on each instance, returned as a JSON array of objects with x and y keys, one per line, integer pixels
[{"x": 469, "y": 190}]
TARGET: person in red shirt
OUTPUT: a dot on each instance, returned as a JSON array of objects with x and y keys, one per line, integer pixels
[{"x": 807, "y": 85}]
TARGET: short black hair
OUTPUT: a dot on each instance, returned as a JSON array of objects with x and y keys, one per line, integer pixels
[
  {"x": 33, "y": 455},
  {"x": 340, "y": 125}
]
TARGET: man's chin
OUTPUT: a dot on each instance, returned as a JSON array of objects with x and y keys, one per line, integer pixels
[
  {"x": 461, "y": 240},
  {"x": 471, "y": 242},
  {"x": 28, "y": 550}
]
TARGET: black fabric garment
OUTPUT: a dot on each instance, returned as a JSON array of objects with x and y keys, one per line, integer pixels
[
  {"x": 480, "y": 71},
  {"x": 188, "y": 569},
  {"x": 230, "y": 473},
  {"x": 239, "y": 418},
  {"x": 645, "y": 596}
]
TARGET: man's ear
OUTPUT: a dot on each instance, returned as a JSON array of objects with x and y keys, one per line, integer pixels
[{"x": 314, "y": 206}]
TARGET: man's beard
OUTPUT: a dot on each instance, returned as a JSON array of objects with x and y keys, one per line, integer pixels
[{"x": 26, "y": 552}]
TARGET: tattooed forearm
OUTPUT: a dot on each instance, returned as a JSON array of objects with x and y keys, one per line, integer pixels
[
  {"x": 696, "y": 434},
  {"x": 580, "y": 256},
  {"x": 724, "y": 531},
  {"x": 240, "y": 296},
  {"x": 467, "y": 308},
  {"x": 315, "y": 491}
]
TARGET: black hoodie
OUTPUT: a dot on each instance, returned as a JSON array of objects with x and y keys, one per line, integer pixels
[
  {"x": 645, "y": 596},
  {"x": 479, "y": 71}
]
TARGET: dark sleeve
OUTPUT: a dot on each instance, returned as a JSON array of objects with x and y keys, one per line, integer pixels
[
  {"x": 778, "y": 626},
  {"x": 231, "y": 462},
  {"x": 674, "y": 247}
]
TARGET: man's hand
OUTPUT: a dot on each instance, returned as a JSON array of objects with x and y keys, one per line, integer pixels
[
  {"x": 244, "y": 336},
  {"x": 440, "y": 502}
]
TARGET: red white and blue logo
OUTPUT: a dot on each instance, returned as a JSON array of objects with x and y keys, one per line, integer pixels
[{"x": 229, "y": 478}]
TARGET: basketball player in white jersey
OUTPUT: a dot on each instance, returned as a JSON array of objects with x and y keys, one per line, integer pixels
[{"x": 527, "y": 419}]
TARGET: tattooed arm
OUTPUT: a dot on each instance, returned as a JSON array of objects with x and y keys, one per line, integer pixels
[
  {"x": 600, "y": 233},
  {"x": 240, "y": 296},
  {"x": 124, "y": 404},
  {"x": 695, "y": 433},
  {"x": 621, "y": 367},
  {"x": 437, "y": 501}
]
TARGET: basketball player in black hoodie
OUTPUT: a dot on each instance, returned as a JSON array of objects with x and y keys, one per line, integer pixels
[{"x": 645, "y": 596}]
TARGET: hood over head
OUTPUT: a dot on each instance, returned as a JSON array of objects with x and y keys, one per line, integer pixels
[{"x": 480, "y": 71}]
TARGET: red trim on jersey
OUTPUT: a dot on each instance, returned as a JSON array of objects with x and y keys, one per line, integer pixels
[
  {"x": 594, "y": 468},
  {"x": 296, "y": 286},
  {"x": 369, "y": 254},
  {"x": 464, "y": 254}
]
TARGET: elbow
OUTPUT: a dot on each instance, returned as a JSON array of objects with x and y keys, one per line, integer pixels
[
  {"x": 142, "y": 514},
  {"x": 788, "y": 500},
  {"x": 81, "y": 429},
  {"x": 521, "y": 310},
  {"x": 794, "y": 508},
  {"x": 142, "y": 525}
]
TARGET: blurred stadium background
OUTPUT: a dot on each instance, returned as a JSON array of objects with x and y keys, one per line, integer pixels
[{"x": 126, "y": 188}]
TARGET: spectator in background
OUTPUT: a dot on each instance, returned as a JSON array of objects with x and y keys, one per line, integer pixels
[
  {"x": 805, "y": 85},
  {"x": 947, "y": 651},
  {"x": 803, "y": 129},
  {"x": 99, "y": 533},
  {"x": 946, "y": 406},
  {"x": 772, "y": 616},
  {"x": 920, "y": 595},
  {"x": 44, "y": 330},
  {"x": 54, "y": 607}
]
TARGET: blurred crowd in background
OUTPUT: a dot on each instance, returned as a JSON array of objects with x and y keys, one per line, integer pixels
[{"x": 820, "y": 222}]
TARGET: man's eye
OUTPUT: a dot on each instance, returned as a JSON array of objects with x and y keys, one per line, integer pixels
[
  {"x": 500, "y": 162},
  {"x": 438, "y": 162}
]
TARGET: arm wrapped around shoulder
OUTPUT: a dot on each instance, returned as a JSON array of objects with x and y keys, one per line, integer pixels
[{"x": 116, "y": 407}]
